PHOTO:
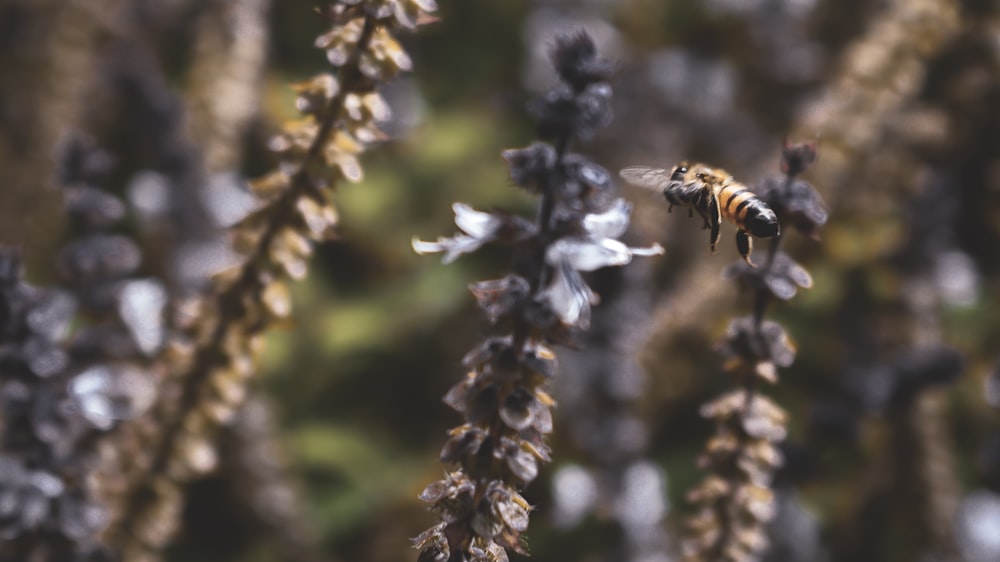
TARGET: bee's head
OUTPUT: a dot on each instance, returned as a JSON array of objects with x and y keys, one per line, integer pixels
[{"x": 680, "y": 171}]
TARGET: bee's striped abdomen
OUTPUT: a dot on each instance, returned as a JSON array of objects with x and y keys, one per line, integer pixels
[
  {"x": 735, "y": 201},
  {"x": 747, "y": 211}
]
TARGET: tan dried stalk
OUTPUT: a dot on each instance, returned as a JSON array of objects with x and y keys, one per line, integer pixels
[
  {"x": 735, "y": 500},
  {"x": 209, "y": 371},
  {"x": 226, "y": 81},
  {"x": 227, "y": 74},
  {"x": 879, "y": 74}
]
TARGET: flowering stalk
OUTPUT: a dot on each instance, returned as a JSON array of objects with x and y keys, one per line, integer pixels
[
  {"x": 43, "y": 516},
  {"x": 226, "y": 78},
  {"x": 504, "y": 397},
  {"x": 735, "y": 500},
  {"x": 114, "y": 352},
  {"x": 226, "y": 82},
  {"x": 211, "y": 369},
  {"x": 62, "y": 400},
  {"x": 878, "y": 74}
]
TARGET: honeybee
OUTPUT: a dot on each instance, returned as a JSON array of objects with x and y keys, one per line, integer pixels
[{"x": 715, "y": 195}]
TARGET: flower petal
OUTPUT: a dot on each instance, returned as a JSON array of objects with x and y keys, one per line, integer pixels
[
  {"x": 584, "y": 254},
  {"x": 569, "y": 297},
  {"x": 648, "y": 251},
  {"x": 105, "y": 393},
  {"x": 140, "y": 306},
  {"x": 611, "y": 223},
  {"x": 452, "y": 247},
  {"x": 800, "y": 276},
  {"x": 475, "y": 223},
  {"x": 781, "y": 287},
  {"x": 423, "y": 247},
  {"x": 498, "y": 297}
]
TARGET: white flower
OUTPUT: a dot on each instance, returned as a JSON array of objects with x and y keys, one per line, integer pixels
[
  {"x": 105, "y": 393},
  {"x": 611, "y": 223},
  {"x": 477, "y": 228},
  {"x": 567, "y": 294}
]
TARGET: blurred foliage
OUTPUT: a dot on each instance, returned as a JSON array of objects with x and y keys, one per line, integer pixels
[{"x": 377, "y": 334}]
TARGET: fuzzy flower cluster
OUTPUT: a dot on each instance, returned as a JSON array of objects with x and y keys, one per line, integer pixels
[
  {"x": 592, "y": 243},
  {"x": 47, "y": 511},
  {"x": 61, "y": 396},
  {"x": 496, "y": 452},
  {"x": 735, "y": 501},
  {"x": 125, "y": 313},
  {"x": 113, "y": 372}
]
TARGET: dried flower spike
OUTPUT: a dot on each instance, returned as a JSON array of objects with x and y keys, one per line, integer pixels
[
  {"x": 504, "y": 399},
  {"x": 211, "y": 367},
  {"x": 734, "y": 500},
  {"x": 50, "y": 510}
]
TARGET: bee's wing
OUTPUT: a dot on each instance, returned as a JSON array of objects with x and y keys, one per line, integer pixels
[{"x": 655, "y": 179}]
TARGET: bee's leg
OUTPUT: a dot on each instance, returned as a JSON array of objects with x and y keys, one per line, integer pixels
[
  {"x": 698, "y": 204},
  {"x": 713, "y": 220},
  {"x": 704, "y": 217},
  {"x": 745, "y": 245}
]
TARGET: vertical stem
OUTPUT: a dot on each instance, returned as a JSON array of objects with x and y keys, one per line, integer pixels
[
  {"x": 762, "y": 298},
  {"x": 544, "y": 223}
]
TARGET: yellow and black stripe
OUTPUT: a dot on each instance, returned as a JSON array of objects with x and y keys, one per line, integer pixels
[{"x": 739, "y": 205}]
